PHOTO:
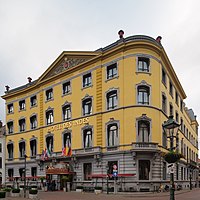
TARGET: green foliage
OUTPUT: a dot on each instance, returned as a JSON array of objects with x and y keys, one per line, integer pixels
[
  {"x": 65, "y": 178},
  {"x": 33, "y": 191},
  {"x": 2, "y": 194},
  {"x": 98, "y": 188},
  {"x": 16, "y": 190},
  {"x": 172, "y": 157},
  {"x": 6, "y": 189},
  {"x": 79, "y": 187}
]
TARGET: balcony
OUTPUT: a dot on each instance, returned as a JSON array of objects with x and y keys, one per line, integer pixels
[
  {"x": 87, "y": 151},
  {"x": 145, "y": 146}
]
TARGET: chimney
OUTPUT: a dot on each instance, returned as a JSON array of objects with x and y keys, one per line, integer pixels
[
  {"x": 121, "y": 34},
  {"x": 158, "y": 39},
  {"x": 7, "y": 88},
  {"x": 29, "y": 79}
]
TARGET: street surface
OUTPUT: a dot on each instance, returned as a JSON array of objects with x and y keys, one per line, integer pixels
[{"x": 180, "y": 195}]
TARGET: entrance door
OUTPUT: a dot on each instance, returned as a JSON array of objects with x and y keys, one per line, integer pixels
[{"x": 144, "y": 169}]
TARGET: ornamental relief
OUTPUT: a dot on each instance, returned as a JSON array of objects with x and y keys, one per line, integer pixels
[{"x": 67, "y": 63}]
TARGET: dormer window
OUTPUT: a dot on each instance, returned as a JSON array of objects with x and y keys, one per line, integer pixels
[
  {"x": 49, "y": 94},
  {"x": 22, "y": 105}
]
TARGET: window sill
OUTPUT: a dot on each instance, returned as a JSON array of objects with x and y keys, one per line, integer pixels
[
  {"x": 33, "y": 106},
  {"x": 114, "y": 108},
  {"x": 65, "y": 94},
  {"x": 114, "y": 77},
  {"x": 9, "y": 113},
  {"x": 143, "y": 72},
  {"x": 112, "y": 148},
  {"x": 48, "y": 100},
  {"x": 85, "y": 87},
  {"x": 10, "y": 159},
  {"x": 21, "y": 110}
]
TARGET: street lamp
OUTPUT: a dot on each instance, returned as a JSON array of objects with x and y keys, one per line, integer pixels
[
  {"x": 171, "y": 129},
  {"x": 25, "y": 156}
]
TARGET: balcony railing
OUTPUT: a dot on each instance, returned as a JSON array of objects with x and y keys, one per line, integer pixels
[
  {"x": 90, "y": 150},
  {"x": 145, "y": 146}
]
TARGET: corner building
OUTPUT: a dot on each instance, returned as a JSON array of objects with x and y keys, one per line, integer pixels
[{"x": 108, "y": 105}]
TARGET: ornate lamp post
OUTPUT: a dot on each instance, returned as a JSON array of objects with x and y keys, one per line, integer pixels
[
  {"x": 25, "y": 156},
  {"x": 171, "y": 129}
]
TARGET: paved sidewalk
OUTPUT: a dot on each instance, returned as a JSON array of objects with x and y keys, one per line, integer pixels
[{"x": 91, "y": 196}]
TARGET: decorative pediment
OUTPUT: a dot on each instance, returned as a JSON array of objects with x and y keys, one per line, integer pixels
[
  {"x": 66, "y": 64},
  {"x": 66, "y": 61}
]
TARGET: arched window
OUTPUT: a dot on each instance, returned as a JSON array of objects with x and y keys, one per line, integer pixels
[
  {"x": 112, "y": 134},
  {"x": 143, "y": 93},
  {"x": 143, "y": 131},
  {"x": 87, "y": 106}
]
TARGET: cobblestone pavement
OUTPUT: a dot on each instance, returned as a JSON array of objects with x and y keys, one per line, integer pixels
[{"x": 180, "y": 195}]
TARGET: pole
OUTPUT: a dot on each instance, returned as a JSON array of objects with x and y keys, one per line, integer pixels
[
  {"x": 172, "y": 188},
  {"x": 190, "y": 179},
  {"x": 107, "y": 182},
  {"x": 25, "y": 175}
]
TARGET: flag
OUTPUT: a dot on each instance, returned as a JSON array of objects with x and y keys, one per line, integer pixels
[
  {"x": 44, "y": 154},
  {"x": 69, "y": 153},
  {"x": 49, "y": 149},
  {"x": 63, "y": 151}
]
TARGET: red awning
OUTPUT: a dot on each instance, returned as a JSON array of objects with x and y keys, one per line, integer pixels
[
  {"x": 58, "y": 171},
  {"x": 110, "y": 175}
]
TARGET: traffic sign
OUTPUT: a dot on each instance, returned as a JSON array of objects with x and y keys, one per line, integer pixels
[{"x": 170, "y": 168}]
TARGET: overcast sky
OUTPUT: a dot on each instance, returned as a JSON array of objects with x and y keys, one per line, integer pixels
[{"x": 34, "y": 32}]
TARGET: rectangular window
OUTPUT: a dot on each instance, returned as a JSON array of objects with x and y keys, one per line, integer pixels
[
  {"x": 176, "y": 98},
  {"x": 33, "y": 147},
  {"x": 171, "y": 110},
  {"x": 49, "y": 94},
  {"x": 171, "y": 88},
  {"x": 164, "y": 103},
  {"x": 21, "y": 173},
  {"x": 177, "y": 172},
  {"x": 87, "y": 138},
  {"x": 87, "y": 106},
  {"x": 164, "y": 78},
  {"x": 87, "y": 169},
  {"x": 164, "y": 170},
  {"x": 22, "y": 125},
  {"x": 33, "y": 122},
  {"x": 34, "y": 172},
  {"x": 10, "y": 173},
  {"x": 112, "y": 71},
  {"x": 66, "y": 112},
  {"x": 22, "y": 105},
  {"x": 10, "y": 108},
  {"x": 112, "y": 165},
  {"x": 87, "y": 80},
  {"x": 177, "y": 117},
  {"x": 10, "y": 151},
  {"x": 143, "y": 64},
  {"x": 112, "y": 100},
  {"x": 181, "y": 105},
  {"x": 66, "y": 87},
  {"x": 22, "y": 149},
  {"x": 49, "y": 117},
  {"x": 10, "y": 127},
  {"x": 0, "y": 162},
  {"x": 33, "y": 101}
]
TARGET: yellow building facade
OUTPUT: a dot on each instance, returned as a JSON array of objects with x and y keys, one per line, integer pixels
[{"x": 108, "y": 108}]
